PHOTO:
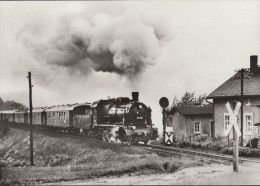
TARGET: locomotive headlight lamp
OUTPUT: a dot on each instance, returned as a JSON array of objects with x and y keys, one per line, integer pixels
[{"x": 134, "y": 127}]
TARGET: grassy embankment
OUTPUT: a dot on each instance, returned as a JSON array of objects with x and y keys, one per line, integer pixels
[{"x": 60, "y": 157}]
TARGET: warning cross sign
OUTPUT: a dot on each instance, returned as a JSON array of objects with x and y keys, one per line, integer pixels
[
  {"x": 233, "y": 119},
  {"x": 168, "y": 138}
]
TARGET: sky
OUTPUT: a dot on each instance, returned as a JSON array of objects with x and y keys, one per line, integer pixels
[{"x": 90, "y": 50}]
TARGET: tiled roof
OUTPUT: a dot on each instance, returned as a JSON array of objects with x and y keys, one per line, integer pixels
[
  {"x": 192, "y": 110},
  {"x": 232, "y": 87}
]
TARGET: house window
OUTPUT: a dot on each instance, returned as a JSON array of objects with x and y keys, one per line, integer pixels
[
  {"x": 256, "y": 129},
  {"x": 249, "y": 123},
  {"x": 226, "y": 121},
  {"x": 197, "y": 127}
]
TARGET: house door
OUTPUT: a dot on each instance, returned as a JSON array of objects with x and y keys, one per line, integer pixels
[{"x": 212, "y": 127}]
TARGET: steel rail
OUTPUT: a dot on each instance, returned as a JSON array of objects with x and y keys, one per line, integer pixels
[{"x": 226, "y": 157}]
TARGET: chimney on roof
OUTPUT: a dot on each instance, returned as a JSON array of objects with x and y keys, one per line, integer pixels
[{"x": 253, "y": 64}]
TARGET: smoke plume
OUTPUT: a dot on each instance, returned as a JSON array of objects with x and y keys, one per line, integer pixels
[{"x": 125, "y": 44}]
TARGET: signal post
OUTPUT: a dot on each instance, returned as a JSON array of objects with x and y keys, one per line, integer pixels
[{"x": 164, "y": 103}]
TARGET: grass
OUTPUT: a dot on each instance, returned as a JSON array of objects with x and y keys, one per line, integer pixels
[
  {"x": 88, "y": 171},
  {"x": 60, "y": 158}
]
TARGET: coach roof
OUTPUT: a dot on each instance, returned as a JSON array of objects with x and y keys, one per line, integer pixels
[
  {"x": 38, "y": 109},
  {"x": 8, "y": 111},
  {"x": 21, "y": 112},
  {"x": 67, "y": 107}
]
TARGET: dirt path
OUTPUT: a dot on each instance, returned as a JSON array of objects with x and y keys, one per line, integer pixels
[{"x": 249, "y": 174}]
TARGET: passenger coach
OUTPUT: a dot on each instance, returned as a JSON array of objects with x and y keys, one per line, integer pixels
[
  {"x": 38, "y": 116},
  {"x": 8, "y": 115},
  {"x": 68, "y": 116},
  {"x": 21, "y": 117}
]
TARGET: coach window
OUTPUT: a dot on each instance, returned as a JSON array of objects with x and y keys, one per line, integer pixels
[{"x": 197, "y": 127}]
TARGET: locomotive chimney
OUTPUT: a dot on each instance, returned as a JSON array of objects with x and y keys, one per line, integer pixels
[
  {"x": 135, "y": 96},
  {"x": 253, "y": 64}
]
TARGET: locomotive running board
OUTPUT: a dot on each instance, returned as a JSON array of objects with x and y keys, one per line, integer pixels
[{"x": 108, "y": 125}]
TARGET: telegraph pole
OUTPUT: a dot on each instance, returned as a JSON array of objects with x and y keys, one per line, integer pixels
[
  {"x": 31, "y": 130},
  {"x": 242, "y": 77}
]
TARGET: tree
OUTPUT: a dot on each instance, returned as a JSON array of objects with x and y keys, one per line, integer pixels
[
  {"x": 201, "y": 99},
  {"x": 188, "y": 99},
  {"x": 175, "y": 101},
  {"x": 1, "y": 102},
  {"x": 11, "y": 105}
]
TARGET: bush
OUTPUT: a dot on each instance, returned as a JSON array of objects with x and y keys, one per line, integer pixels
[
  {"x": 243, "y": 151},
  {"x": 227, "y": 150},
  {"x": 183, "y": 144},
  {"x": 201, "y": 137},
  {"x": 195, "y": 145},
  {"x": 220, "y": 145},
  {"x": 255, "y": 152},
  {"x": 206, "y": 145},
  {"x": 214, "y": 146}
]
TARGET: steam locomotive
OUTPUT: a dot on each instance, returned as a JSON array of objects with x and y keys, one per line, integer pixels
[{"x": 113, "y": 120}]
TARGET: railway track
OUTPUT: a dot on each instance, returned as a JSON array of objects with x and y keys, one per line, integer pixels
[
  {"x": 191, "y": 153},
  {"x": 159, "y": 149}
]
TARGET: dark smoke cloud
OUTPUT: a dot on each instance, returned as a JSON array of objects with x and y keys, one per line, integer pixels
[{"x": 124, "y": 44}]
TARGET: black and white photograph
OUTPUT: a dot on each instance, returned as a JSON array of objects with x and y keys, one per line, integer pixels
[{"x": 130, "y": 92}]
